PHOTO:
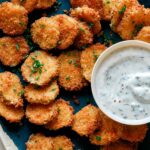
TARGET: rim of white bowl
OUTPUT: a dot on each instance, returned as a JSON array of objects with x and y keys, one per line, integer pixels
[{"x": 103, "y": 56}]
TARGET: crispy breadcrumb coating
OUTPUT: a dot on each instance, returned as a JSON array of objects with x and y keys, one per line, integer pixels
[
  {"x": 45, "y": 33},
  {"x": 40, "y": 68},
  {"x": 13, "y": 18},
  {"x": 13, "y": 50},
  {"x": 86, "y": 121},
  {"x": 68, "y": 28},
  {"x": 11, "y": 89},
  {"x": 70, "y": 73},
  {"x": 65, "y": 115},
  {"x": 89, "y": 57},
  {"x": 41, "y": 95},
  {"x": 44, "y": 4},
  {"x": 40, "y": 114},
  {"x": 10, "y": 113}
]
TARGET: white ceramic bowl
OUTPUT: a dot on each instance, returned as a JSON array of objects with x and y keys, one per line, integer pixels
[{"x": 100, "y": 60}]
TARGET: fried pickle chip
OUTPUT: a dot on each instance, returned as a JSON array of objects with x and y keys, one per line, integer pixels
[
  {"x": 88, "y": 59},
  {"x": 45, "y": 33},
  {"x": 121, "y": 145},
  {"x": 88, "y": 15},
  {"x": 62, "y": 143},
  {"x": 68, "y": 28},
  {"x": 131, "y": 22},
  {"x": 44, "y": 4},
  {"x": 70, "y": 75},
  {"x": 134, "y": 133},
  {"x": 11, "y": 89},
  {"x": 118, "y": 10},
  {"x": 13, "y": 50},
  {"x": 95, "y": 4},
  {"x": 65, "y": 115},
  {"x": 109, "y": 131},
  {"x": 10, "y": 113},
  {"x": 40, "y": 68},
  {"x": 39, "y": 142},
  {"x": 41, "y": 95},
  {"x": 13, "y": 18},
  {"x": 29, "y": 5},
  {"x": 41, "y": 114},
  {"x": 86, "y": 121},
  {"x": 85, "y": 36},
  {"x": 144, "y": 34}
]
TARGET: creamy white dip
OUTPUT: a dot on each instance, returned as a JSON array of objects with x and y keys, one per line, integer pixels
[{"x": 123, "y": 83}]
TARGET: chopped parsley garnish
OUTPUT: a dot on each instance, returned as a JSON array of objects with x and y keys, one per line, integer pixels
[
  {"x": 90, "y": 24},
  {"x": 42, "y": 26},
  {"x": 95, "y": 56},
  {"x": 21, "y": 93},
  {"x": 98, "y": 138},
  {"x": 70, "y": 62},
  {"x": 22, "y": 23},
  {"x": 122, "y": 10},
  {"x": 53, "y": 90},
  {"x": 67, "y": 78},
  {"x": 137, "y": 28},
  {"x": 17, "y": 46},
  {"x": 82, "y": 30}
]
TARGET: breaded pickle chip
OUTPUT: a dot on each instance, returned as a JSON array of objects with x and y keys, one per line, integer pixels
[
  {"x": 39, "y": 142},
  {"x": 89, "y": 57},
  {"x": 40, "y": 68},
  {"x": 88, "y": 15},
  {"x": 10, "y": 113},
  {"x": 131, "y": 22},
  {"x": 29, "y": 5},
  {"x": 121, "y": 145},
  {"x": 13, "y": 18},
  {"x": 62, "y": 143},
  {"x": 86, "y": 121},
  {"x": 11, "y": 89},
  {"x": 144, "y": 34},
  {"x": 118, "y": 10},
  {"x": 109, "y": 131},
  {"x": 134, "y": 133},
  {"x": 44, "y": 4},
  {"x": 41, "y": 114},
  {"x": 68, "y": 28},
  {"x": 65, "y": 115},
  {"x": 45, "y": 33},
  {"x": 70, "y": 74},
  {"x": 41, "y": 95},
  {"x": 13, "y": 50},
  {"x": 95, "y": 4},
  {"x": 85, "y": 36}
]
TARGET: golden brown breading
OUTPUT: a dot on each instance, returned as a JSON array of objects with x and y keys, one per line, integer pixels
[
  {"x": 40, "y": 68},
  {"x": 10, "y": 113},
  {"x": 89, "y": 57},
  {"x": 44, "y": 4},
  {"x": 39, "y": 142},
  {"x": 147, "y": 16},
  {"x": 13, "y": 18},
  {"x": 86, "y": 121},
  {"x": 11, "y": 89},
  {"x": 144, "y": 34},
  {"x": 134, "y": 133},
  {"x": 121, "y": 145},
  {"x": 62, "y": 143},
  {"x": 41, "y": 95},
  {"x": 13, "y": 50},
  {"x": 88, "y": 15},
  {"x": 109, "y": 131},
  {"x": 41, "y": 114},
  {"x": 131, "y": 22},
  {"x": 65, "y": 115},
  {"x": 68, "y": 28},
  {"x": 29, "y": 5},
  {"x": 85, "y": 36},
  {"x": 70, "y": 75},
  {"x": 95, "y": 4},
  {"x": 118, "y": 11},
  {"x": 45, "y": 33}
]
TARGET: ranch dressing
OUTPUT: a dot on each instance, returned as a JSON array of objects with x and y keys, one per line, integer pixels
[{"x": 123, "y": 83}]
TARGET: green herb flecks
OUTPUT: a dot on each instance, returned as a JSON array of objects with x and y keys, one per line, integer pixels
[
  {"x": 122, "y": 10},
  {"x": 22, "y": 23},
  {"x": 17, "y": 46},
  {"x": 53, "y": 90},
  {"x": 67, "y": 78},
  {"x": 98, "y": 138},
  {"x": 90, "y": 24},
  {"x": 95, "y": 56},
  {"x": 42, "y": 26},
  {"x": 21, "y": 93},
  {"x": 81, "y": 29},
  {"x": 137, "y": 28},
  {"x": 60, "y": 149},
  {"x": 70, "y": 61}
]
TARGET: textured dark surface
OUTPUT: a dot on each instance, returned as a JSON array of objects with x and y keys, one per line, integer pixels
[{"x": 20, "y": 133}]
